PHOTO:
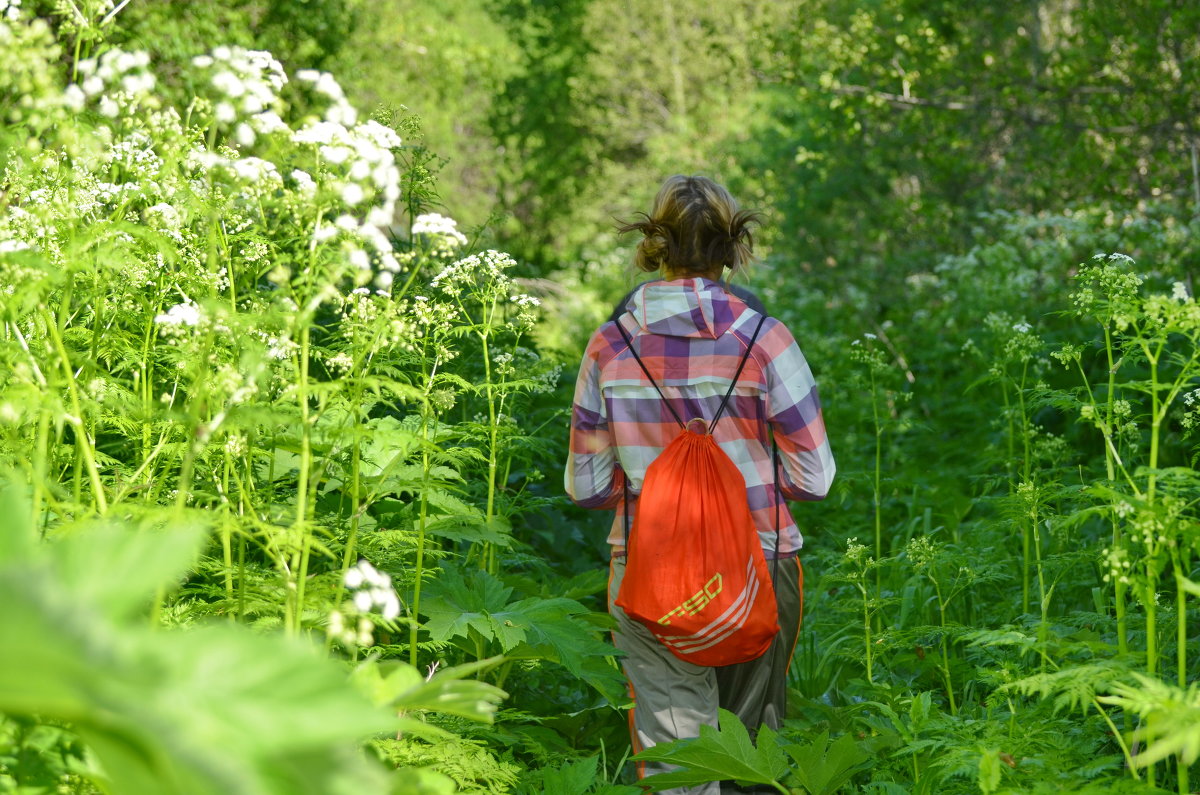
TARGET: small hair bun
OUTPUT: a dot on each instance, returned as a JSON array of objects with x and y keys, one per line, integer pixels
[{"x": 655, "y": 247}]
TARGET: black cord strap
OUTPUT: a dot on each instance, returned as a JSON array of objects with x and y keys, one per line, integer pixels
[
  {"x": 737, "y": 375},
  {"x": 629, "y": 343}
]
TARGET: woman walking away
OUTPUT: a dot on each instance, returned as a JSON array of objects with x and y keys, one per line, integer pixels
[{"x": 685, "y": 357}]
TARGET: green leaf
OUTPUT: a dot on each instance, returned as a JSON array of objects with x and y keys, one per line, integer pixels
[
  {"x": 19, "y": 539},
  {"x": 718, "y": 756},
  {"x": 555, "y": 631},
  {"x": 388, "y": 443},
  {"x": 455, "y": 606},
  {"x": 473, "y": 529},
  {"x": 401, "y": 687},
  {"x": 822, "y": 768},
  {"x": 135, "y": 560},
  {"x": 424, "y": 781},
  {"x": 573, "y": 778},
  {"x": 211, "y": 709},
  {"x": 447, "y": 694},
  {"x": 989, "y": 772}
]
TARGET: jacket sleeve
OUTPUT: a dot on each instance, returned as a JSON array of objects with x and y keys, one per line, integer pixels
[
  {"x": 593, "y": 478},
  {"x": 794, "y": 412}
]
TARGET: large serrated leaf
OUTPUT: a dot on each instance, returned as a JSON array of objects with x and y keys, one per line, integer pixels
[
  {"x": 555, "y": 631},
  {"x": 455, "y": 605},
  {"x": 573, "y": 778},
  {"x": 823, "y": 767},
  {"x": 471, "y": 528},
  {"x": 718, "y": 755}
]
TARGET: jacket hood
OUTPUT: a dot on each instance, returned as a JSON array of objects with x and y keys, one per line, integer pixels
[{"x": 684, "y": 308}]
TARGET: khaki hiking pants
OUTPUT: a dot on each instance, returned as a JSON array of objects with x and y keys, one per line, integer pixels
[{"x": 673, "y": 698}]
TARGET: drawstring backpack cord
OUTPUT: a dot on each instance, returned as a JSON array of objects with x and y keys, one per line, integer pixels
[
  {"x": 625, "y": 502},
  {"x": 720, "y": 410}
]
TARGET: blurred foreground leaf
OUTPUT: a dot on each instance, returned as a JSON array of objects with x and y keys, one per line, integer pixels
[{"x": 209, "y": 710}]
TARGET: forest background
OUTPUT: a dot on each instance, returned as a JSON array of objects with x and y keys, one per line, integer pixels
[{"x": 980, "y": 223}]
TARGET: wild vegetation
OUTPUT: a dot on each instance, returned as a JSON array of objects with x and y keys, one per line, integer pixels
[{"x": 280, "y": 439}]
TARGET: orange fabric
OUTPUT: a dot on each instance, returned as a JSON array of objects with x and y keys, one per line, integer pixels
[
  {"x": 695, "y": 574},
  {"x": 800, "y": 614}
]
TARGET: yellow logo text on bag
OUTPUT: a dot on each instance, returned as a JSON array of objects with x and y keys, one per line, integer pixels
[{"x": 700, "y": 599}]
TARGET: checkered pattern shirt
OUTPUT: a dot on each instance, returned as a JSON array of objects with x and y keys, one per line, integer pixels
[{"x": 691, "y": 334}]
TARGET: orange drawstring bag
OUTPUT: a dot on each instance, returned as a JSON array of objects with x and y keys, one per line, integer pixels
[{"x": 695, "y": 574}]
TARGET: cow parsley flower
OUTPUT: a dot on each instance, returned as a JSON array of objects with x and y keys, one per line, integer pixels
[
  {"x": 372, "y": 588},
  {"x": 304, "y": 181},
  {"x": 435, "y": 225},
  {"x": 185, "y": 314}
]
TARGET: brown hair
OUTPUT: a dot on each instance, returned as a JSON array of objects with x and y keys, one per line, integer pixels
[{"x": 693, "y": 227}]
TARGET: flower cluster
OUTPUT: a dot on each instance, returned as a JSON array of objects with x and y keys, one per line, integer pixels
[
  {"x": 358, "y": 635},
  {"x": 440, "y": 232},
  {"x": 361, "y": 162},
  {"x": 185, "y": 314},
  {"x": 858, "y": 554},
  {"x": 372, "y": 589},
  {"x": 921, "y": 551},
  {"x": 246, "y": 84},
  {"x": 340, "y": 111},
  {"x": 489, "y": 267},
  {"x": 1107, "y": 287},
  {"x": 116, "y": 80},
  {"x": 1191, "y": 413},
  {"x": 1117, "y": 566}
]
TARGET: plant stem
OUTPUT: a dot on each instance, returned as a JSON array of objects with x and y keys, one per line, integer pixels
[
  {"x": 83, "y": 443},
  {"x": 41, "y": 452},
  {"x": 1112, "y": 727},
  {"x": 1119, "y": 590},
  {"x": 945, "y": 646},
  {"x": 422, "y": 518},
  {"x": 866, "y": 631},
  {"x": 299, "y": 569},
  {"x": 878, "y": 494},
  {"x": 488, "y": 557},
  {"x": 1180, "y": 653},
  {"x": 227, "y": 532},
  {"x": 1026, "y": 532},
  {"x": 1043, "y": 621}
]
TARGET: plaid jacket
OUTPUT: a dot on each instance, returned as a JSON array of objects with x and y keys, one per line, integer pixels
[{"x": 692, "y": 334}]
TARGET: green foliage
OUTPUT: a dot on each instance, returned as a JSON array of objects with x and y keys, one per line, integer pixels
[
  {"x": 142, "y": 700},
  {"x": 1171, "y": 715},
  {"x": 467, "y": 765},
  {"x": 821, "y": 767},
  {"x": 824, "y": 767},
  {"x": 580, "y": 777},
  {"x": 476, "y": 611},
  {"x": 718, "y": 754}
]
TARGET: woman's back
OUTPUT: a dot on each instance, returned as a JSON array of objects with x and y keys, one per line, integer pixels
[{"x": 691, "y": 335}]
